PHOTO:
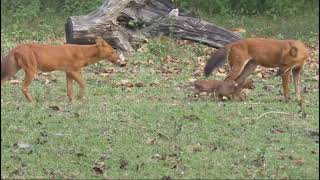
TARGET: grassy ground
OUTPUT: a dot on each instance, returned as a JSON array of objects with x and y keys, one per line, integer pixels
[{"x": 156, "y": 128}]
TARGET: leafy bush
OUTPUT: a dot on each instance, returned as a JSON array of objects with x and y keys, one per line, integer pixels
[
  {"x": 78, "y": 7},
  {"x": 29, "y": 9},
  {"x": 251, "y": 7},
  {"x": 20, "y": 9}
]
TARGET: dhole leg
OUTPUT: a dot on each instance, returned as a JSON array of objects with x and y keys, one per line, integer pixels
[
  {"x": 214, "y": 96},
  {"x": 69, "y": 86},
  {"x": 285, "y": 84},
  {"x": 29, "y": 76},
  {"x": 219, "y": 97},
  {"x": 241, "y": 96},
  {"x": 76, "y": 75},
  {"x": 297, "y": 80},
  {"x": 196, "y": 93}
]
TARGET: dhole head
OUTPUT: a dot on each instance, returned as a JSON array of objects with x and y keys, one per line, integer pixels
[{"x": 106, "y": 51}]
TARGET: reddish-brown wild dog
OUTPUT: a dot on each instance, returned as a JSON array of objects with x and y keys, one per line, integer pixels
[
  {"x": 229, "y": 89},
  {"x": 70, "y": 58},
  {"x": 218, "y": 88},
  {"x": 288, "y": 55}
]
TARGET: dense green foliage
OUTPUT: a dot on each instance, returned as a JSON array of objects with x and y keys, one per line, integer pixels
[
  {"x": 252, "y": 7},
  {"x": 33, "y": 8}
]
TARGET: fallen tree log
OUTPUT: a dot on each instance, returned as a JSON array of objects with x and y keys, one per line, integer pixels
[{"x": 126, "y": 24}]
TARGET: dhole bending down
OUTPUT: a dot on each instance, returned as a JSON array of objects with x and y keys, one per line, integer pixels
[
  {"x": 229, "y": 89},
  {"x": 218, "y": 88},
  {"x": 70, "y": 58},
  {"x": 288, "y": 55}
]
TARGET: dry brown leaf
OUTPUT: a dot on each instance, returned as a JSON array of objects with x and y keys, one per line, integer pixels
[
  {"x": 22, "y": 145},
  {"x": 125, "y": 83},
  {"x": 154, "y": 84},
  {"x": 183, "y": 42},
  {"x": 203, "y": 93},
  {"x": 278, "y": 131},
  {"x": 298, "y": 161},
  {"x": 44, "y": 73},
  {"x": 246, "y": 92},
  {"x": 314, "y": 152},
  {"x": 281, "y": 157},
  {"x": 143, "y": 48},
  {"x": 151, "y": 141},
  {"x": 196, "y": 148},
  {"x": 158, "y": 157},
  {"x": 98, "y": 168},
  {"x": 47, "y": 81},
  {"x": 56, "y": 108},
  {"x": 315, "y": 78},
  {"x": 239, "y": 30},
  {"x": 104, "y": 74},
  {"x": 258, "y": 69},
  {"x": 123, "y": 164},
  {"x": 14, "y": 81},
  {"x": 139, "y": 84},
  {"x": 165, "y": 178},
  {"x": 191, "y": 80},
  {"x": 221, "y": 70},
  {"x": 223, "y": 75},
  {"x": 259, "y": 75},
  {"x": 198, "y": 72}
]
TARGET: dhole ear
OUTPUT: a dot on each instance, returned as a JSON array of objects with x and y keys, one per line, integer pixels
[{"x": 293, "y": 51}]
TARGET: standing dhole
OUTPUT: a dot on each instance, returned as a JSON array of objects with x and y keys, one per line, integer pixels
[
  {"x": 70, "y": 58},
  {"x": 288, "y": 55}
]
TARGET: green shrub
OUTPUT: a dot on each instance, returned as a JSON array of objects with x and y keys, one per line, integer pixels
[
  {"x": 29, "y": 9},
  {"x": 78, "y": 7},
  {"x": 251, "y": 7},
  {"x": 20, "y": 9}
]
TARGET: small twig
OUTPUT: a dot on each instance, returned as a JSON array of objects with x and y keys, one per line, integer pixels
[{"x": 273, "y": 112}]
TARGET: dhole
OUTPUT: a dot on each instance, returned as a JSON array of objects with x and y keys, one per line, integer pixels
[
  {"x": 68, "y": 57},
  {"x": 228, "y": 88},
  {"x": 288, "y": 55},
  {"x": 219, "y": 88}
]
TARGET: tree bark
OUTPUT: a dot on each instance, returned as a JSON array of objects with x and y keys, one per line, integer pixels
[{"x": 126, "y": 24}]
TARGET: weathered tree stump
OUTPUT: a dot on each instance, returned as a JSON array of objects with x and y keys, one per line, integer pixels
[{"x": 126, "y": 24}]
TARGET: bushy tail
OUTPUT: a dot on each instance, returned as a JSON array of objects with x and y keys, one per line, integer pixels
[
  {"x": 216, "y": 60},
  {"x": 9, "y": 67}
]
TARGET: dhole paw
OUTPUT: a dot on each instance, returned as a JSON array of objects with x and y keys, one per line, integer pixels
[
  {"x": 71, "y": 100},
  {"x": 82, "y": 98},
  {"x": 285, "y": 99}
]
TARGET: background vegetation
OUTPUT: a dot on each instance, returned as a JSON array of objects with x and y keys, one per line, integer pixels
[{"x": 33, "y": 8}]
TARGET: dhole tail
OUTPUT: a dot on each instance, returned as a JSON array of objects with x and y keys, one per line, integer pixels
[
  {"x": 9, "y": 67},
  {"x": 216, "y": 60}
]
